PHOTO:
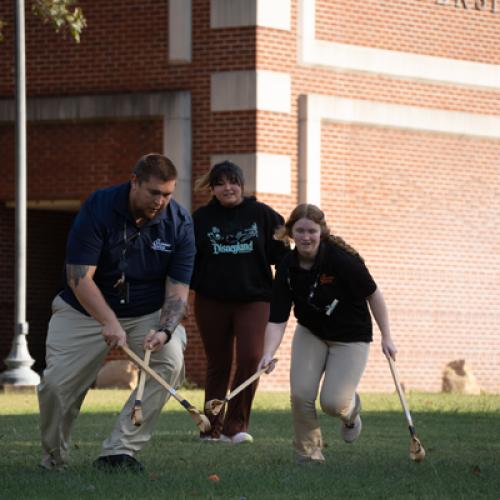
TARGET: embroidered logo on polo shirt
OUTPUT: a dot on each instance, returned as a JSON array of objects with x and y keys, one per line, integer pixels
[{"x": 161, "y": 246}]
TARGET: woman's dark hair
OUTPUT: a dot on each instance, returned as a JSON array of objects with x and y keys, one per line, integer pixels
[
  {"x": 155, "y": 165},
  {"x": 316, "y": 215},
  {"x": 225, "y": 169}
]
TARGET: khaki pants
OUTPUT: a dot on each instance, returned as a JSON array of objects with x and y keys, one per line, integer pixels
[
  {"x": 342, "y": 364},
  {"x": 75, "y": 352}
]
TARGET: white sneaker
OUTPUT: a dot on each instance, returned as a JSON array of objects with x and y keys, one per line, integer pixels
[
  {"x": 350, "y": 431},
  {"x": 238, "y": 438}
]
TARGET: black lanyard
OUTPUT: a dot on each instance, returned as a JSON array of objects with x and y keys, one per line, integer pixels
[
  {"x": 328, "y": 309},
  {"x": 122, "y": 285}
]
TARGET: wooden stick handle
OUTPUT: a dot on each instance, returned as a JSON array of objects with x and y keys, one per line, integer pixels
[
  {"x": 142, "y": 376},
  {"x": 201, "y": 420},
  {"x": 247, "y": 382},
  {"x": 399, "y": 390},
  {"x": 140, "y": 363}
]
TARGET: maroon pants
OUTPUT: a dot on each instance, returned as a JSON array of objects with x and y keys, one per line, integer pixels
[{"x": 228, "y": 327}]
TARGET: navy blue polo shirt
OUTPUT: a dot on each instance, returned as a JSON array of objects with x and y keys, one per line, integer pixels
[{"x": 104, "y": 234}]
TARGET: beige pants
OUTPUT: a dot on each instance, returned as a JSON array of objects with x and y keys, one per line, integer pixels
[
  {"x": 342, "y": 364},
  {"x": 75, "y": 352}
]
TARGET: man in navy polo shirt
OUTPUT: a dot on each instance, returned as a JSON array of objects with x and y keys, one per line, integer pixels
[{"x": 129, "y": 260}]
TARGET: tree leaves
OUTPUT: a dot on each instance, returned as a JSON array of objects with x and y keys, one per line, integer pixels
[
  {"x": 59, "y": 13},
  {"x": 63, "y": 15}
]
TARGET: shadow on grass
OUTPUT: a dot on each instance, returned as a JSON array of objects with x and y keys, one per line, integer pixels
[{"x": 462, "y": 460}]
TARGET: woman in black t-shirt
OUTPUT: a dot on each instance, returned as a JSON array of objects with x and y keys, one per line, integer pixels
[{"x": 330, "y": 287}]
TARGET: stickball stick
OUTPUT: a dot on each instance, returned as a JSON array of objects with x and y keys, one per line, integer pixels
[
  {"x": 214, "y": 406},
  {"x": 137, "y": 416},
  {"x": 417, "y": 452},
  {"x": 200, "y": 420}
]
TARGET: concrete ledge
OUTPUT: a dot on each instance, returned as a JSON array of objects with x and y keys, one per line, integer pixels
[
  {"x": 266, "y": 13},
  {"x": 91, "y": 107},
  {"x": 179, "y": 31},
  {"x": 51, "y": 205},
  {"x": 251, "y": 90},
  {"x": 341, "y": 109}
]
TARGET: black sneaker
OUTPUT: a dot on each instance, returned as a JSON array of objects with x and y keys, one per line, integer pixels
[{"x": 118, "y": 463}]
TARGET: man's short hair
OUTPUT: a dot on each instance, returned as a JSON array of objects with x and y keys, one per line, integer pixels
[{"x": 155, "y": 165}]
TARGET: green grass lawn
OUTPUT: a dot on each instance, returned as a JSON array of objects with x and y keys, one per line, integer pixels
[{"x": 461, "y": 435}]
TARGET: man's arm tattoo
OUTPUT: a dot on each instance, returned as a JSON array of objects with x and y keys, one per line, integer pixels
[
  {"x": 75, "y": 273},
  {"x": 172, "y": 312},
  {"x": 175, "y": 306}
]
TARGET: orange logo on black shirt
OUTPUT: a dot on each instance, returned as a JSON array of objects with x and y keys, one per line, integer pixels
[{"x": 324, "y": 279}]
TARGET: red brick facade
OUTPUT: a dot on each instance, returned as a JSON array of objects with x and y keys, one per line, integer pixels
[{"x": 421, "y": 206}]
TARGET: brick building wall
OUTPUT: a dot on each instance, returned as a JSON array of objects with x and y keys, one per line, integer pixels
[
  {"x": 418, "y": 201},
  {"x": 427, "y": 246},
  {"x": 416, "y": 204}
]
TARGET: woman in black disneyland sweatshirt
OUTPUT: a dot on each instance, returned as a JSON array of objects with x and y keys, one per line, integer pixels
[{"x": 232, "y": 279}]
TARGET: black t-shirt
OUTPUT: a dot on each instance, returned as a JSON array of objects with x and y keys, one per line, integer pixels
[
  {"x": 235, "y": 249},
  {"x": 335, "y": 275}
]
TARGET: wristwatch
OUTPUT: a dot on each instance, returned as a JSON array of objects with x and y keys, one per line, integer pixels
[{"x": 166, "y": 331}]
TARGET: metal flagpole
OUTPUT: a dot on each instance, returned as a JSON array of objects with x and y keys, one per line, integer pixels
[{"x": 19, "y": 361}]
